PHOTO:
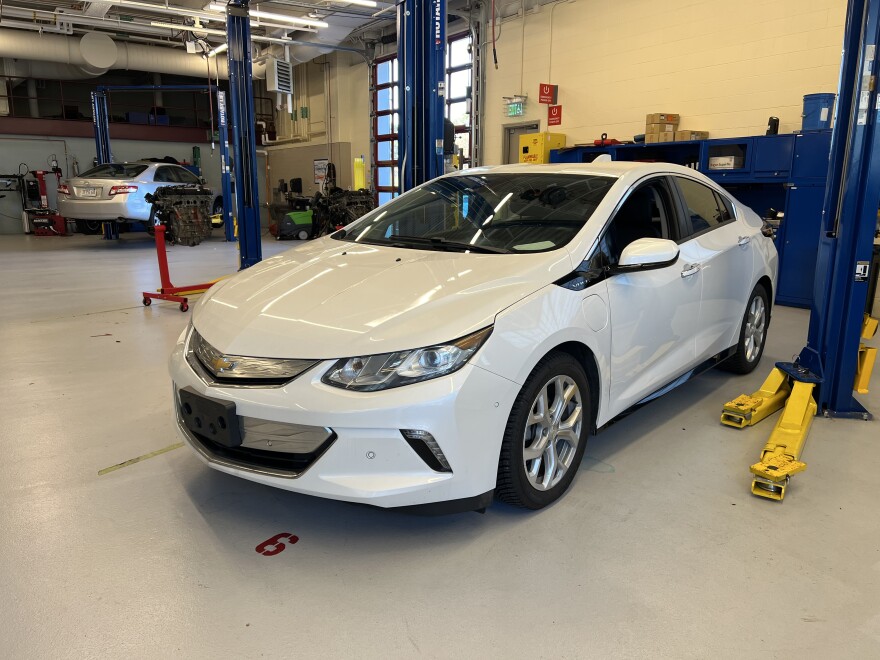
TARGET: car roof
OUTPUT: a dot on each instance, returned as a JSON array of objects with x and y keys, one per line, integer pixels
[{"x": 615, "y": 168}]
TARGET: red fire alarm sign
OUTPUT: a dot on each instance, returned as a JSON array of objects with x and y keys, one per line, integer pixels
[{"x": 548, "y": 93}]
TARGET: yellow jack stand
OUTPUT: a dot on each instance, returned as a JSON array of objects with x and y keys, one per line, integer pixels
[
  {"x": 867, "y": 356},
  {"x": 748, "y": 410},
  {"x": 779, "y": 459}
]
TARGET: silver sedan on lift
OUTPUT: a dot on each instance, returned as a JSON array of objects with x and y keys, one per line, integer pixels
[{"x": 115, "y": 192}]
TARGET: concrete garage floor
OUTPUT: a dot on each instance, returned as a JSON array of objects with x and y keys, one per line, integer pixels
[{"x": 658, "y": 550}]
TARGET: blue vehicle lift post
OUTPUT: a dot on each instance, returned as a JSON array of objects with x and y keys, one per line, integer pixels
[
  {"x": 421, "y": 39},
  {"x": 101, "y": 121},
  {"x": 244, "y": 149},
  {"x": 823, "y": 377},
  {"x": 849, "y": 220}
]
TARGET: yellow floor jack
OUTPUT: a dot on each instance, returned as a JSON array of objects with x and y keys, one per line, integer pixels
[{"x": 789, "y": 386}]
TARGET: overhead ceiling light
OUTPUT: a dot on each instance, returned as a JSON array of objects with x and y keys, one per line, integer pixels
[
  {"x": 274, "y": 17},
  {"x": 361, "y": 3},
  {"x": 219, "y": 49}
]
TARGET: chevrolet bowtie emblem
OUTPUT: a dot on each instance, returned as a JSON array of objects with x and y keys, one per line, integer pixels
[{"x": 221, "y": 364}]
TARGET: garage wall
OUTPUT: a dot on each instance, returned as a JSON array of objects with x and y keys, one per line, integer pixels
[
  {"x": 302, "y": 141},
  {"x": 724, "y": 66}
]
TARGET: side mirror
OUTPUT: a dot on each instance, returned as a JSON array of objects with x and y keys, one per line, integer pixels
[
  {"x": 647, "y": 254},
  {"x": 203, "y": 181}
]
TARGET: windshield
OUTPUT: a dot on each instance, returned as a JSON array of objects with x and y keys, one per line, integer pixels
[
  {"x": 114, "y": 171},
  {"x": 507, "y": 213}
]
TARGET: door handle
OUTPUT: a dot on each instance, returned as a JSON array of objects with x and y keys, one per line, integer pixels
[
  {"x": 744, "y": 240},
  {"x": 690, "y": 269}
]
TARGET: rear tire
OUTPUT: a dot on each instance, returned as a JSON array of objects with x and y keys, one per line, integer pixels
[
  {"x": 546, "y": 434},
  {"x": 752, "y": 334}
]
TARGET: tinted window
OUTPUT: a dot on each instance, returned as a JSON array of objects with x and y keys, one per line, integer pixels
[
  {"x": 185, "y": 176},
  {"x": 646, "y": 213},
  {"x": 520, "y": 212},
  {"x": 701, "y": 204},
  {"x": 726, "y": 207},
  {"x": 165, "y": 175},
  {"x": 114, "y": 171}
]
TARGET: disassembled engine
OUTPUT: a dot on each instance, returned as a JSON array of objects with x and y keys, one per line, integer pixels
[{"x": 185, "y": 211}]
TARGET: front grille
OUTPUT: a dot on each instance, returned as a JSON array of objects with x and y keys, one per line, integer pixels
[
  {"x": 272, "y": 448},
  {"x": 275, "y": 463},
  {"x": 219, "y": 369}
]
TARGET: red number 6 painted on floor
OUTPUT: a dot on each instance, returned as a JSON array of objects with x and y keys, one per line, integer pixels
[{"x": 271, "y": 547}]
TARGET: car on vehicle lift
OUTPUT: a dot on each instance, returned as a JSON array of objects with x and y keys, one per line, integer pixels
[
  {"x": 464, "y": 339},
  {"x": 115, "y": 192}
]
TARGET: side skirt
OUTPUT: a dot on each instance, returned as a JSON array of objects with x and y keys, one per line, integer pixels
[{"x": 713, "y": 361}]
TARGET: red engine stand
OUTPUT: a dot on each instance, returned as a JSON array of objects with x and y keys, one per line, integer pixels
[{"x": 168, "y": 291}]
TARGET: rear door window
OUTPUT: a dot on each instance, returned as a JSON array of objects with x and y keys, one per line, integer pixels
[
  {"x": 185, "y": 176},
  {"x": 165, "y": 175},
  {"x": 703, "y": 207}
]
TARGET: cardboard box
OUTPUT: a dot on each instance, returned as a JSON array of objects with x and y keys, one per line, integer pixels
[
  {"x": 666, "y": 137},
  {"x": 681, "y": 136},
  {"x": 725, "y": 162},
  {"x": 663, "y": 118},
  {"x": 652, "y": 138},
  {"x": 536, "y": 147},
  {"x": 659, "y": 128}
]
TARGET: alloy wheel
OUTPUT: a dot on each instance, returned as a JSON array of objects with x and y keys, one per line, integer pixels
[
  {"x": 756, "y": 325},
  {"x": 553, "y": 432}
]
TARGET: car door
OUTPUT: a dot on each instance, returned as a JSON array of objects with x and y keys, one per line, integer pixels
[
  {"x": 719, "y": 245},
  {"x": 653, "y": 313}
]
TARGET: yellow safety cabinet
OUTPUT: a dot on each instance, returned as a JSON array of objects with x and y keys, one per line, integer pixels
[{"x": 536, "y": 147}]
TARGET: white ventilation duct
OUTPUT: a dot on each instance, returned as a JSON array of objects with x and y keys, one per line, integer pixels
[{"x": 95, "y": 53}]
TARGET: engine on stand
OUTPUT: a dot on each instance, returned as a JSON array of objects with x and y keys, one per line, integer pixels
[{"x": 184, "y": 211}]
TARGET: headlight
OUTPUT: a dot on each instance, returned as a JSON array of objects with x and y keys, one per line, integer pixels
[{"x": 381, "y": 372}]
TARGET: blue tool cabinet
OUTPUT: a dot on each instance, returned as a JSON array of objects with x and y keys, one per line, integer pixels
[{"x": 784, "y": 172}]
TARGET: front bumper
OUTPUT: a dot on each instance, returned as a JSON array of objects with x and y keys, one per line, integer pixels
[{"x": 368, "y": 460}]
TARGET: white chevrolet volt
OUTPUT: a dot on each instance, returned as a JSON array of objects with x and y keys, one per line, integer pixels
[{"x": 464, "y": 340}]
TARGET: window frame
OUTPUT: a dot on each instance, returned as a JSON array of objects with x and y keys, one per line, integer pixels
[
  {"x": 675, "y": 224},
  {"x": 393, "y": 138},
  {"x": 449, "y": 100}
]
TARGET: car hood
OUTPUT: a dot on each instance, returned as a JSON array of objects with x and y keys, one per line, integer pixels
[{"x": 332, "y": 299}]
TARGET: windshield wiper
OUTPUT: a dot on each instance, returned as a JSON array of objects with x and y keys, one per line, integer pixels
[{"x": 440, "y": 242}]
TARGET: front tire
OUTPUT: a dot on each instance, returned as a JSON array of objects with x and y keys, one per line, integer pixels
[
  {"x": 752, "y": 334},
  {"x": 546, "y": 434}
]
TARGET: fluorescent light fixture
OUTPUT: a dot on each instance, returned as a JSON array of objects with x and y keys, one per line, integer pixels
[
  {"x": 214, "y": 52},
  {"x": 360, "y": 3},
  {"x": 274, "y": 17}
]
